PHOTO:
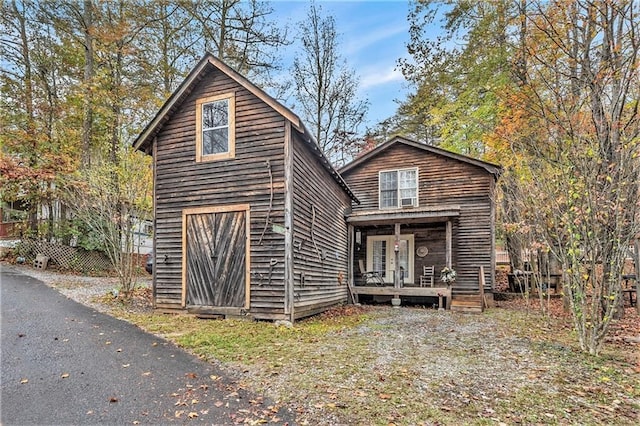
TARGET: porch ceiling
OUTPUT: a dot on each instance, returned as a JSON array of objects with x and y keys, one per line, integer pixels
[{"x": 412, "y": 215}]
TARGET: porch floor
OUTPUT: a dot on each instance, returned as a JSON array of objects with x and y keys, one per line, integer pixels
[{"x": 438, "y": 292}]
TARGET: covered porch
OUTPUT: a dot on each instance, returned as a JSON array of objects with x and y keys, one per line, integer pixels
[{"x": 395, "y": 246}]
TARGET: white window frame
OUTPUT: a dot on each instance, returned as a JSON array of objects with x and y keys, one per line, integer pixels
[
  {"x": 398, "y": 189},
  {"x": 231, "y": 135},
  {"x": 390, "y": 256}
]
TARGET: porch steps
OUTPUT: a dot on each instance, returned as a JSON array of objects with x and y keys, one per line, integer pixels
[{"x": 467, "y": 303}]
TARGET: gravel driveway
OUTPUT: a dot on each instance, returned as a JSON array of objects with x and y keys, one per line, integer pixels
[{"x": 82, "y": 289}]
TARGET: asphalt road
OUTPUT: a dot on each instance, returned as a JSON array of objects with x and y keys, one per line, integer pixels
[{"x": 64, "y": 363}]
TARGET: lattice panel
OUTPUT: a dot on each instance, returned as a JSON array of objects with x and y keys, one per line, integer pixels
[{"x": 65, "y": 257}]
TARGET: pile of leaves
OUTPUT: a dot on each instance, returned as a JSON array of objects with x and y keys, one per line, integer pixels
[{"x": 139, "y": 301}]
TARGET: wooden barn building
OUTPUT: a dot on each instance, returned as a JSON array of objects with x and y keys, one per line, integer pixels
[
  {"x": 249, "y": 214},
  {"x": 250, "y": 218}
]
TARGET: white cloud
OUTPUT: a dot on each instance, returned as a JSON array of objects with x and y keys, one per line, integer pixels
[
  {"x": 376, "y": 77},
  {"x": 373, "y": 37}
]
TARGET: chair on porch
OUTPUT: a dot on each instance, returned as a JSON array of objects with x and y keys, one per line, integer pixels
[
  {"x": 370, "y": 276},
  {"x": 427, "y": 276}
]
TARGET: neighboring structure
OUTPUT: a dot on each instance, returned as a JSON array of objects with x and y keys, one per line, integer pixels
[
  {"x": 11, "y": 217},
  {"x": 434, "y": 207},
  {"x": 249, "y": 214},
  {"x": 142, "y": 237}
]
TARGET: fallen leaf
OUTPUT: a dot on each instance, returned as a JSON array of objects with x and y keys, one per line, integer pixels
[
  {"x": 113, "y": 399},
  {"x": 192, "y": 415},
  {"x": 119, "y": 350},
  {"x": 218, "y": 403},
  {"x": 191, "y": 375},
  {"x": 179, "y": 413},
  {"x": 384, "y": 396},
  {"x": 135, "y": 422},
  {"x": 107, "y": 343},
  {"x": 212, "y": 377},
  {"x": 147, "y": 373},
  {"x": 154, "y": 344},
  {"x": 23, "y": 381},
  {"x": 65, "y": 375},
  {"x": 21, "y": 334},
  {"x": 194, "y": 401},
  {"x": 125, "y": 365}
]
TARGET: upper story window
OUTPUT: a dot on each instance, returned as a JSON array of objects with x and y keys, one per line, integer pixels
[
  {"x": 215, "y": 127},
  {"x": 398, "y": 188}
]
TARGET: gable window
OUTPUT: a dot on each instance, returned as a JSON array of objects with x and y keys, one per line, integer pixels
[
  {"x": 398, "y": 188},
  {"x": 215, "y": 128}
]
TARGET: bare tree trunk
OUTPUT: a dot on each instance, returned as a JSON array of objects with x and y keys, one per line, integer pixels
[
  {"x": 636, "y": 265},
  {"x": 87, "y": 121}
]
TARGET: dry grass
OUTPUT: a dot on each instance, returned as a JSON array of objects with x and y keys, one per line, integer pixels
[{"x": 379, "y": 365}]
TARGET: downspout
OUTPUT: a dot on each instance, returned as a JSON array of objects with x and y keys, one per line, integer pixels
[{"x": 288, "y": 223}]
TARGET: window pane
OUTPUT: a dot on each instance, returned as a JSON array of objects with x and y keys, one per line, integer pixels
[
  {"x": 215, "y": 114},
  {"x": 408, "y": 193},
  {"x": 388, "y": 181},
  {"x": 389, "y": 198},
  {"x": 389, "y": 189},
  {"x": 408, "y": 184},
  {"x": 380, "y": 256},
  {"x": 407, "y": 179},
  {"x": 215, "y": 141},
  {"x": 403, "y": 257}
]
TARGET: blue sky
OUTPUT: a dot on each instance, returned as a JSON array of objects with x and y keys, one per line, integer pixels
[{"x": 373, "y": 36}]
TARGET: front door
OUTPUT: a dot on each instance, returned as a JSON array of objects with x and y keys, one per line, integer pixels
[
  {"x": 381, "y": 256},
  {"x": 216, "y": 259}
]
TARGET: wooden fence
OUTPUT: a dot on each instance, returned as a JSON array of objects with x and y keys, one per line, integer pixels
[{"x": 65, "y": 257}]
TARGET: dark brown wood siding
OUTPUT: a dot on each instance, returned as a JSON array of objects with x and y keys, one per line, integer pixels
[
  {"x": 182, "y": 183},
  {"x": 441, "y": 180},
  {"x": 320, "y": 235}
]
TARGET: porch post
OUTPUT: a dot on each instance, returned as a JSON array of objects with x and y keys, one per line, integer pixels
[
  {"x": 350, "y": 245},
  {"x": 396, "y": 249},
  {"x": 448, "y": 245}
]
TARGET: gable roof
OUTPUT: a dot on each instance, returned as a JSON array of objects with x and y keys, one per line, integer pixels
[
  {"x": 491, "y": 168},
  {"x": 144, "y": 141}
]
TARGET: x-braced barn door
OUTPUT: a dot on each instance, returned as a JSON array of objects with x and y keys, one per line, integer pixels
[{"x": 216, "y": 259}]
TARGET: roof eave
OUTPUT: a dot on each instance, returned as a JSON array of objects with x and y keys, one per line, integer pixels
[{"x": 493, "y": 169}]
